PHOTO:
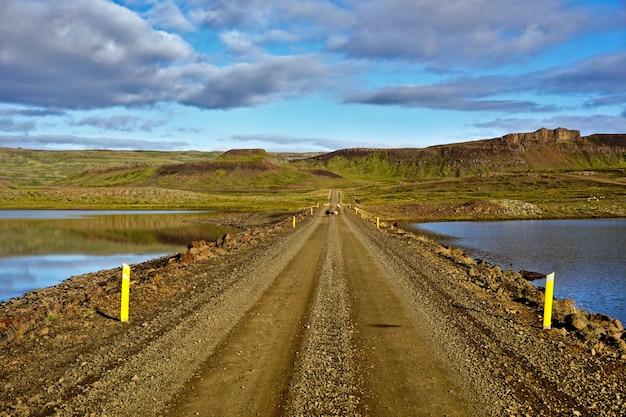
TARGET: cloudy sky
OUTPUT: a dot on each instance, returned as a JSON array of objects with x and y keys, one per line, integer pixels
[{"x": 305, "y": 75}]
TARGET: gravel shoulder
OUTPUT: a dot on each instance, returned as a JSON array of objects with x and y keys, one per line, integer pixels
[{"x": 333, "y": 317}]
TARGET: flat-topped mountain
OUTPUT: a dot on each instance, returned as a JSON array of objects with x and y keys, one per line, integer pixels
[{"x": 558, "y": 149}]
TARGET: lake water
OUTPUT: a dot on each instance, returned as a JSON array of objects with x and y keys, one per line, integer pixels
[
  {"x": 587, "y": 256},
  {"x": 40, "y": 248}
]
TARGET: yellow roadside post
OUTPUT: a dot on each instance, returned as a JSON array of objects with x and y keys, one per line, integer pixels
[
  {"x": 378, "y": 222},
  {"x": 311, "y": 211},
  {"x": 294, "y": 221},
  {"x": 125, "y": 292},
  {"x": 547, "y": 310}
]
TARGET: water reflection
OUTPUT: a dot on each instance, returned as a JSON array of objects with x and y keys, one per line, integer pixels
[
  {"x": 587, "y": 255},
  {"x": 75, "y": 214},
  {"x": 103, "y": 234},
  {"x": 19, "y": 275},
  {"x": 40, "y": 248}
]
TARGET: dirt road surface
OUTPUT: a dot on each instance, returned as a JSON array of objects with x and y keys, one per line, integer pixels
[
  {"x": 331, "y": 308},
  {"x": 332, "y": 318}
]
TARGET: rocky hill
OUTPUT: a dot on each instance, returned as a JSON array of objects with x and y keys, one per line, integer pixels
[{"x": 558, "y": 149}]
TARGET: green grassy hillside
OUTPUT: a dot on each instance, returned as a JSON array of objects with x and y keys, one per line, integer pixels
[
  {"x": 27, "y": 167},
  {"x": 544, "y": 174},
  {"x": 478, "y": 158}
]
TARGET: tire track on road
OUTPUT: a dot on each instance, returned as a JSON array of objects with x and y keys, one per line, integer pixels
[
  {"x": 402, "y": 374},
  {"x": 249, "y": 372},
  {"x": 327, "y": 382}
]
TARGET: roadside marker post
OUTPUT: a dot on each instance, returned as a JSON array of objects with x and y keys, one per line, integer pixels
[
  {"x": 294, "y": 221},
  {"x": 125, "y": 292},
  {"x": 547, "y": 310},
  {"x": 311, "y": 211},
  {"x": 378, "y": 222}
]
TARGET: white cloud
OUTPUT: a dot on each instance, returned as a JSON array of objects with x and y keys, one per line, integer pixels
[
  {"x": 238, "y": 43},
  {"x": 283, "y": 142},
  {"x": 167, "y": 15}
]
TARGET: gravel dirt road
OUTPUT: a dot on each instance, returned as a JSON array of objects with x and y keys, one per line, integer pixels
[{"x": 332, "y": 318}]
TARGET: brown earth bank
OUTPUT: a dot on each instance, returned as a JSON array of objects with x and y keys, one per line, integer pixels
[
  {"x": 332, "y": 317},
  {"x": 472, "y": 209}
]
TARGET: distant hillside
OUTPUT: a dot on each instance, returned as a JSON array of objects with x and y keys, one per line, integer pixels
[
  {"x": 29, "y": 167},
  {"x": 544, "y": 150},
  {"x": 246, "y": 169},
  {"x": 557, "y": 173},
  {"x": 237, "y": 169}
]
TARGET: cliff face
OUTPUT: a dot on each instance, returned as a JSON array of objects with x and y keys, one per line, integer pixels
[{"x": 542, "y": 136}]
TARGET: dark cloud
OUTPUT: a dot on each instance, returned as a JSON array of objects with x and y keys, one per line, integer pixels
[
  {"x": 122, "y": 123},
  {"x": 8, "y": 124},
  {"x": 63, "y": 54},
  {"x": 261, "y": 14},
  {"x": 460, "y": 95},
  {"x": 601, "y": 74},
  {"x": 608, "y": 100},
  {"x": 468, "y": 32},
  {"x": 33, "y": 112},
  {"x": 67, "y": 54},
  {"x": 600, "y": 79},
  {"x": 79, "y": 142},
  {"x": 20, "y": 119},
  {"x": 93, "y": 53},
  {"x": 250, "y": 84}
]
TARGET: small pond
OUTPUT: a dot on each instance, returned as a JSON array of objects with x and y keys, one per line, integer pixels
[{"x": 40, "y": 248}]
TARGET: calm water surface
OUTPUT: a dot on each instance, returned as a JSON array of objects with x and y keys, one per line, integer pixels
[
  {"x": 587, "y": 256},
  {"x": 77, "y": 214},
  {"x": 40, "y": 248}
]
